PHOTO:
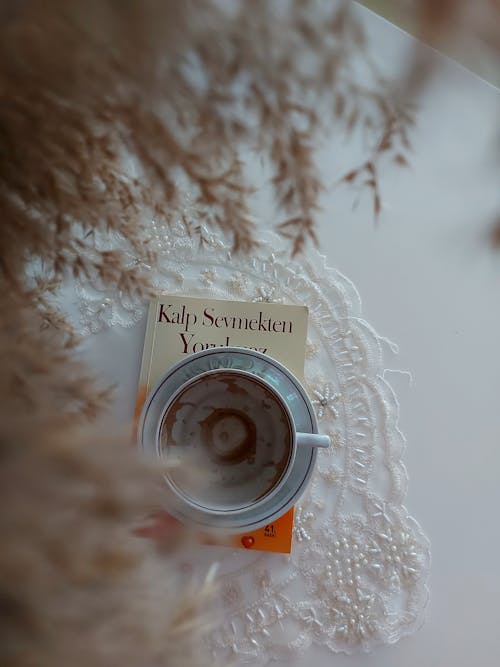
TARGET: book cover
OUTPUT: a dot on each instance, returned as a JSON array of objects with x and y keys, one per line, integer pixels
[{"x": 178, "y": 326}]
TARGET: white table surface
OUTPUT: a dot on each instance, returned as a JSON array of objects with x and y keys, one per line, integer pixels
[{"x": 428, "y": 283}]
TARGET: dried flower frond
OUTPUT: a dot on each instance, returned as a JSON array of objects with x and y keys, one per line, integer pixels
[
  {"x": 77, "y": 585},
  {"x": 112, "y": 110}
]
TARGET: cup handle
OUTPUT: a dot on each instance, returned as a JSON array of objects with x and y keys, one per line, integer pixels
[{"x": 313, "y": 440}]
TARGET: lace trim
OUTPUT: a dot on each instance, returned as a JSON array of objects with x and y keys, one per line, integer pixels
[{"x": 359, "y": 566}]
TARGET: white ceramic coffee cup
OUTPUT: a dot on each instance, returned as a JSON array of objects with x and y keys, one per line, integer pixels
[{"x": 229, "y": 440}]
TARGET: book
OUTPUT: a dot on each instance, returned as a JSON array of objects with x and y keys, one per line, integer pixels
[{"x": 178, "y": 326}]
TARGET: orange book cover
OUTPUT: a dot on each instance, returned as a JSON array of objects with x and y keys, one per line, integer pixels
[{"x": 178, "y": 326}]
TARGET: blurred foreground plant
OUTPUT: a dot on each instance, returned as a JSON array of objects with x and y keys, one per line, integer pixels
[
  {"x": 110, "y": 111},
  {"x": 78, "y": 586}
]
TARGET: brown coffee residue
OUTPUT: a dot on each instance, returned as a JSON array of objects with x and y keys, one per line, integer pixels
[
  {"x": 229, "y": 435},
  {"x": 170, "y": 419},
  {"x": 242, "y": 451},
  {"x": 232, "y": 385}
]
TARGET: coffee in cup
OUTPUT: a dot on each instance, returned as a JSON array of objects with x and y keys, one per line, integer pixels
[{"x": 229, "y": 441}]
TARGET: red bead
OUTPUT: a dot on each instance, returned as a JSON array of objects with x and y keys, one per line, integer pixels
[{"x": 247, "y": 541}]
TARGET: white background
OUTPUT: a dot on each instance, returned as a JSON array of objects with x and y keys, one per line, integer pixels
[{"x": 429, "y": 282}]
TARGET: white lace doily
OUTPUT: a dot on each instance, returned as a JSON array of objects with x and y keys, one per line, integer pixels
[{"x": 359, "y": 565}]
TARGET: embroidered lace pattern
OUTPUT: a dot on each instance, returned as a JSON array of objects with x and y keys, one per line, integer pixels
[{"x": 359, "y": 566}]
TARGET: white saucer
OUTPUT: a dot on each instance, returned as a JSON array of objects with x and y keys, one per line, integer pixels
[{"x": 298, "y": 402}]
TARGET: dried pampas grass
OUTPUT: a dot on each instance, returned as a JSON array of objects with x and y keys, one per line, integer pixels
[
  {"x": 78, "y": 585},
  {"x": 111, "y": 110}
]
